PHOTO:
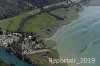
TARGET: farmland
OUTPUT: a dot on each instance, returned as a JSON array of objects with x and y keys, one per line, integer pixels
[
  {"x": 40, "y": 23},
  {"x": 14, "y": 22}
]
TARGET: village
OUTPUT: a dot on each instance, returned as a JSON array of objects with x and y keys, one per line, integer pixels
[{"x": 25, "y": 43}]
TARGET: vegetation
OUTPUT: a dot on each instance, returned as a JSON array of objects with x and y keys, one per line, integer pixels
[
  {"x": 38, "y": 59},
  {"x": 49, "y": 44},
  {"x": 14, "y": 22},
  {"x": 54, "y": 54},
  {"x": 40, "y": 23},
  {"x": 9, "y": 8},
  {"x": 68, "y": 13},
  {"x": 4, "y": 23},
  {"x": 3, "y": 63},
  {"x": 56, "y": 4}
]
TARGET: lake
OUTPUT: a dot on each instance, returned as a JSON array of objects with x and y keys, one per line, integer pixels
[{"x": 81, "y": 38}]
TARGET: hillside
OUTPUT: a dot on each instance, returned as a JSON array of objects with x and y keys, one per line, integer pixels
[{"x": 9, "y": 8}]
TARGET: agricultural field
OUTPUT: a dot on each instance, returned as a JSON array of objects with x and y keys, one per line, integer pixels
[
  {"x": 40, "y": 23},
  {"x": 4, "y": 23},
  {"x": 38, "y": 59},
  {"x": 14, "y": 22}
]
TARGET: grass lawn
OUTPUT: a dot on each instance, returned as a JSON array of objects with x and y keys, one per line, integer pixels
[
  {"x": 40, "y": 21},
  {"x": 4, "y": 23},
  {"x": 38, "y": 59},
  {"x": 16, "y": 20},
  {"x": 50, "y": 44},
  {"x": 54, "y": 54}
]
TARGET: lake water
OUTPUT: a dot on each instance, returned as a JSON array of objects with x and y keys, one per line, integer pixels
[
  {"x": 82, "y": 34},
  {"x": 12, "y": 59}
]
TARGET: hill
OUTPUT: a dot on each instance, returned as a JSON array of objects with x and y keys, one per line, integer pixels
[{"x": 10, "y": 8}]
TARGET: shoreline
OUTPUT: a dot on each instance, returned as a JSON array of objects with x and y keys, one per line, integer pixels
[
  {"x": 64, "y": 22},
  {"x": 59, "y": 28},
  {"x": 19, "y": 57},
  {"x": 53, "y": 35}
]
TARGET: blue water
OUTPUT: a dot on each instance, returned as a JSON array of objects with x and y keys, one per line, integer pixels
[
  {"x": 81, "y": 33},
  {"x": 12, "y": 59}
]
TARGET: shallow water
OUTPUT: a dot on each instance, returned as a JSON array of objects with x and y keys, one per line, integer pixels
[
  {"x": 82, "y": 34},
  {"x": 12, "y": 59}
]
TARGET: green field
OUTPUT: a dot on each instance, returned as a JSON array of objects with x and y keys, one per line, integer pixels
[
  {"x": 36, "y": 24},
  {"x": 38, "y": 59},
  {"x": 70, "y": 13},
  {"x": 40, "y": 23},
  {"x": 4, "y": 23},
  {"x": 14, "y": 22}
]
